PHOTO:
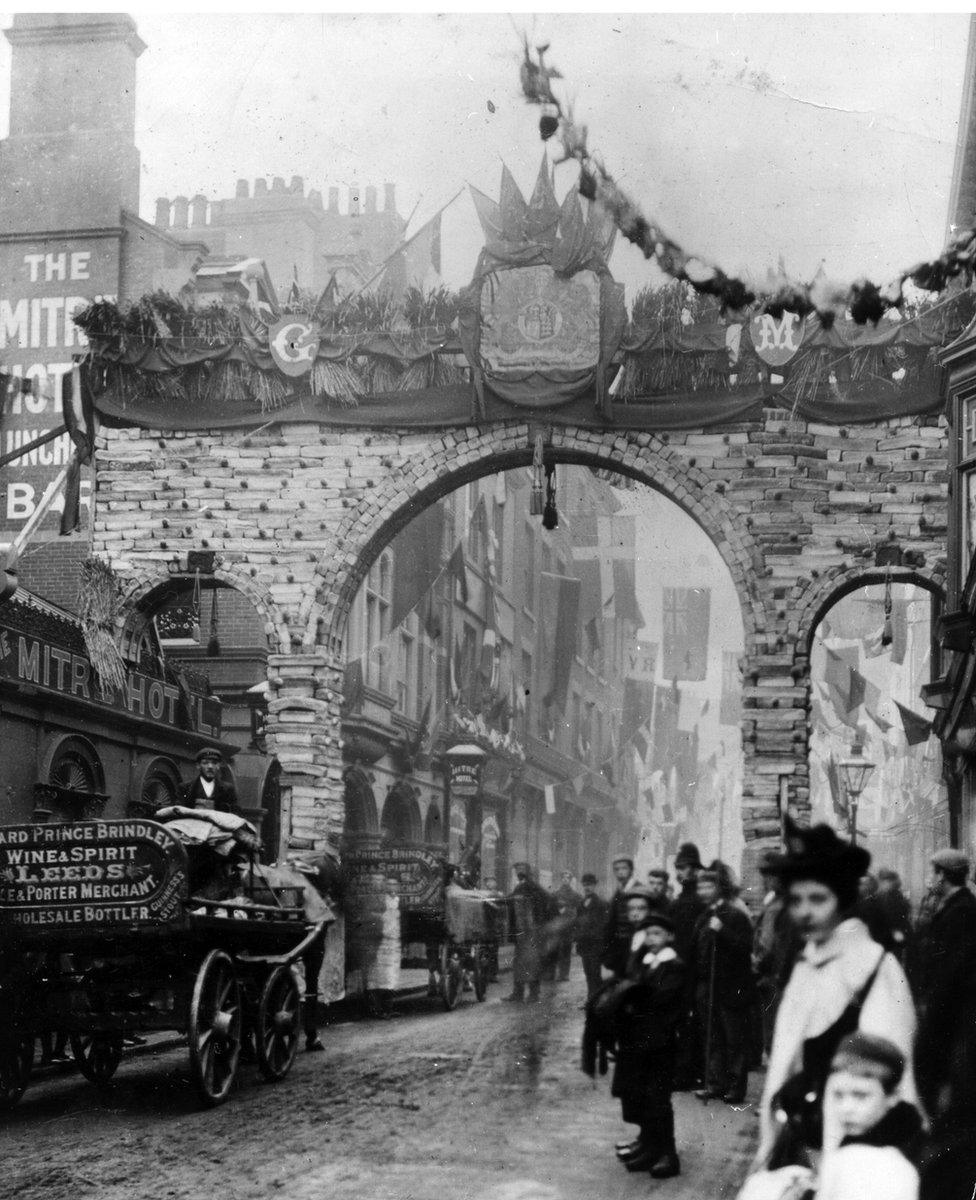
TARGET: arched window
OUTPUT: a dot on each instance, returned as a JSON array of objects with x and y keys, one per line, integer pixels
[
  {"x": 400, "y": 821},
  {"x": 76, "y": 767},
  {"x": 377, "y": 601},
  {"x": 360, "y": 804},
  {"x": 160, "y": 784}
]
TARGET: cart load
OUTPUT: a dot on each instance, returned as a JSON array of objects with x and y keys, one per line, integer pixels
[
  {"x": 474, "y": 914},
  {"x": 111, "y": 928}
]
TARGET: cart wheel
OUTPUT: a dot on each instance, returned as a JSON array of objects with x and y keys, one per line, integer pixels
[
  {"x": 479, "y": 971},
  {"x": 278, "y": 1024},
  {"x": 16, "y": 1059},
  {"x": 215, "y": 1028},
  {"x": 97, "y": 1054},
  {"x": 452, "y": 976}
]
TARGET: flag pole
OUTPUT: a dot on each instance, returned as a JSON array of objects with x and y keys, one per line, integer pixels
[{"x": 413, "y": 237}]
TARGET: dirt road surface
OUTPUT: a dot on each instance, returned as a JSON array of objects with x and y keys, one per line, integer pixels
[{"x": 485, "y": 1103}]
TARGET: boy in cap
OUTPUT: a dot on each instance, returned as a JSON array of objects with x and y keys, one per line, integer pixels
[
  {"x": 871, "y": 1138},
  {"x": 647, "y": 1023},
  {"x": 208, "y": 790}
]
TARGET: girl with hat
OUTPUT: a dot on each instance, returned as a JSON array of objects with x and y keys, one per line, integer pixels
[
  {"x": 647, "y": 1023},
  {"x": 841, "y": 981}
]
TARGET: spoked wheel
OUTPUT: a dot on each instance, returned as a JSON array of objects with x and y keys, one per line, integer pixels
[
  {"x": 452, "y": 976},
  {"x": 97, "y": 1054},
  {"x": 215, "y": 1028},
  {"x": 479, "y": 971},
  {"x": 16, "y": 1058},
  {"x": 278, "y": 1024}
]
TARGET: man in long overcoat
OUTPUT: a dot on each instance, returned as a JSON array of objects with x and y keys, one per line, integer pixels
[
  {"x": 591, "y": 932},
  {"x": 725, "y": 990},
  {"x": 945, "y": 1049},
  {"x": 532, "y": 908}
]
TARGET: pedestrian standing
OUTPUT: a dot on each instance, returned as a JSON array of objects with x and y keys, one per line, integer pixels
[
  {"x": 568, "y": 901},
  {"x": 647, "y": 1022},
  {"x": 898, "y": 912},
  {"x": 616, "y": 948},
  {"x": 724, "y": 991},
  {"x": 383, "y": 968},
  {"x": 210, "y": 788},
  {"x": 945, "y": 1054},
  {"x": 591, "y": 931},
  {"x": 871, "y": 911},
  {"x": 532, "y": 908},
  {"x": 657, "y": 885},
  {"x": 775, "y": 945},
  {"x": 842, "y": 981},
  {"x": 685, "y": 910}
]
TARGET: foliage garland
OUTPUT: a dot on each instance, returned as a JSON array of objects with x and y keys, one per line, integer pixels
[{"x": 864, "y": 300}]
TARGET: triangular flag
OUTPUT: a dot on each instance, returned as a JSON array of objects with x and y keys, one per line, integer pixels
[{"x": 917, "y": 729}]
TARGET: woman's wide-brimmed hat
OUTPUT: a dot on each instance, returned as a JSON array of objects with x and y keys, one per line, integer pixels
[{"x": 818, "y": 854}]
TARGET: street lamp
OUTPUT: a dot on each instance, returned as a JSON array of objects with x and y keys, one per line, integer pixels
[{"x": 855, "y": 772}]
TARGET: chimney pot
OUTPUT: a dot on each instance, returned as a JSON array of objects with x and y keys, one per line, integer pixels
[
  {"x": 278, "y": 185},
  {"x": 162, "y": 212},
  {"x": 243, "y": 190},
  {"x": 333, "y": 200},
  {"x": 260, "y": 187},
  {"x": 389, "y": 201},
  {"x": 198, "y": 210},
  {"x": 298, "y": 185},
  {"x": 315, "y": 199},
  {"x": 181, "y": 207}
]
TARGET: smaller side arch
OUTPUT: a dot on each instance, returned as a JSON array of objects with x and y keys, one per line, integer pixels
[
  {"x": 400, "y": 820},
  {"x": 360, "y": 805}
]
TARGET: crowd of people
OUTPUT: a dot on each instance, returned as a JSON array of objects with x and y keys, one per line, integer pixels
[{"x": 861, "y": 1011}]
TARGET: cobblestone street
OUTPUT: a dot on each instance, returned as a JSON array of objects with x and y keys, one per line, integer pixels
[{"x": 485, "y": 1103}]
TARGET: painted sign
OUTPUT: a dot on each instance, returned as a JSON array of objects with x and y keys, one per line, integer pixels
[
  {"x": 419, "y": 872},
  {"x": 534, "y": 320},
  {"x": 90, "y": 873},
  {"x": 43, "y": 283},
  {"x": 293, "y": 345},
  {"x": 466, "y": 776},
  {"x": 32, "y": 661},
  {"x": 776, "y": 339}
]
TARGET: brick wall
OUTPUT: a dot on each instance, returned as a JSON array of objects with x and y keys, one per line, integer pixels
[{"x": 298, "y": 513}]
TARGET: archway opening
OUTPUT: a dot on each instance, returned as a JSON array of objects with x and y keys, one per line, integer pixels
[
  {"x": 594, "y": 661},
  {"x": 870, "y": 655}
]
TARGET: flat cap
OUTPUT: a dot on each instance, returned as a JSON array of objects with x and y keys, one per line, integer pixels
[
  {"x": 208, "y": 754},
  {"x": 951, "y": 860},
  {"x": 624, "y": 858},
  {"x": 588, "y": 878}
]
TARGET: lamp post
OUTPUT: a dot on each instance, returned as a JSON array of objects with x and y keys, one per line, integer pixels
[{"x": 855, "y": 772}]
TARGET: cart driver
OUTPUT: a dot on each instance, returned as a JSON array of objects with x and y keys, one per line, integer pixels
[{"x": 208, "y": 789}]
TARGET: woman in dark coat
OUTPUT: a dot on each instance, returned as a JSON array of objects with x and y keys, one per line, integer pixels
[{"x": 647, "y": 1021}]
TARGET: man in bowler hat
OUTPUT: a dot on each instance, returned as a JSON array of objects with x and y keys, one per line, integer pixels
[{"x": 208, "y": 790}]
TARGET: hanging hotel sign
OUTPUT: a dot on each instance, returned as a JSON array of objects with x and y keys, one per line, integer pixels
[
  {"x": 466, "y": 763},
  {"x": 90, "y": 873},
  {"x": 534, "y": 320},
  {"x": 43, "y": 283},
  {"x": 30, "y": 661},
  {"x": 293, "y": 345},
  {"x": 776, "y": 339}
]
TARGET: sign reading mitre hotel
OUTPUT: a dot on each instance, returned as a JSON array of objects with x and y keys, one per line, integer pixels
[
  {"x": 43, "y": 283},
  {"x": 534, "y": 320},
  {"x": 90, "y": 873}
]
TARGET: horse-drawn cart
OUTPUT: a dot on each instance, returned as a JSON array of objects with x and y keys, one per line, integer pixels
[{"x": 112, "y": 928}]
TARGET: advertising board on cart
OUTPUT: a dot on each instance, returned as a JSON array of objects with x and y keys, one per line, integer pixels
[{"x": 90, "y": 875}]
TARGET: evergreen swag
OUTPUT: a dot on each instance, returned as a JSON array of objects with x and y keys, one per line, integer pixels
[
  {"x": 167, "y": 350},
  {"x": 863, "y": 300}
]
